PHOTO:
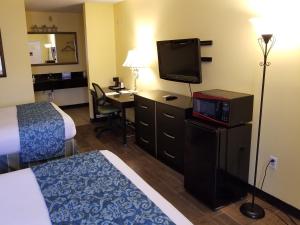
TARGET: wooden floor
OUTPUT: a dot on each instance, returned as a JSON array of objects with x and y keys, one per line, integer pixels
[{"x": 165, "y": 180}]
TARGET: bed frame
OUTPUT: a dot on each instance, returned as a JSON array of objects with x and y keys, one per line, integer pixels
[{"x": 11, "y": 162}]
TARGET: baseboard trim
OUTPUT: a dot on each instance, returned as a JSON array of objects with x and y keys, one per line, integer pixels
[
  {"x": 73, "y": 106},
  {"x": 283, "y": 206}
]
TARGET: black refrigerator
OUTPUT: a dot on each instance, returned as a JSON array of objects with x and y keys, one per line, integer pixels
[{"x": 216, "y": 162}]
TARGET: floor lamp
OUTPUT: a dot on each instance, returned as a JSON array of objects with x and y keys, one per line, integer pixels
[{"x": 250, "y": 209}]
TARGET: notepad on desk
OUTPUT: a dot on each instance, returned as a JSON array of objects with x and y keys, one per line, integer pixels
[
  {"x": 111, "y": 93},
  {"x": 128, "y": 91}
]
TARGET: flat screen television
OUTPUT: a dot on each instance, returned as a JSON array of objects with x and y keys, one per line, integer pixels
[{"x": 180, "y": 60}]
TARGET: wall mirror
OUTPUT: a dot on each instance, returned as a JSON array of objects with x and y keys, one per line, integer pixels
[
  {"x": 2, "y": 62},
  {"x": 57, "y": 48}
]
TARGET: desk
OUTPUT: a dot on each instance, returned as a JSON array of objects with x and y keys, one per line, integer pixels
[{"x": 121, "y": 101}]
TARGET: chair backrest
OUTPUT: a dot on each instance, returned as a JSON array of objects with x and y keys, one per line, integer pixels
[
  {"x": 95, "y": 104},
  {"x": 100, "y": 94}
]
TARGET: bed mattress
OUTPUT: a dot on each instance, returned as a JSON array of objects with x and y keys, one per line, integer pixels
[
  {"x": 9, "y": 129},
  {"x": 26, "y": 205}
]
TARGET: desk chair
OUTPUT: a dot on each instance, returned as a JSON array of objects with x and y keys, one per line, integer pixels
[{"x": 103, "y": 108}]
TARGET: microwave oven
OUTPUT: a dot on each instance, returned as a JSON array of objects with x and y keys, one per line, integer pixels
[{"x": 223, "y": 107}]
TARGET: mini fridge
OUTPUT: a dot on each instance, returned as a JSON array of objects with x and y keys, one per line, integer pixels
[{"x": 216, "y": 162}]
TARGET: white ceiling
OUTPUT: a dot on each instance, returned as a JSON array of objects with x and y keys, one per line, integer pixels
[{"x": 59, "y": 5}]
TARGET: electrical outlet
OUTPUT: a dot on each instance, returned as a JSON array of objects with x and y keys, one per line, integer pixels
[{"x": 273, "y": 164}]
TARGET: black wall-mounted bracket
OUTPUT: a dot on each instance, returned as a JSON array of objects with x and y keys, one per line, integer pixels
[
  {"x": 206, "y": 59},
  {"x": 206, "y": 43}
]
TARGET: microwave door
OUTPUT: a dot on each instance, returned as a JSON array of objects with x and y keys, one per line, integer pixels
[{"x": 208, "y": 108}]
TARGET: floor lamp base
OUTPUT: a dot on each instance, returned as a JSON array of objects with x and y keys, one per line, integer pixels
[{"x": 252, "y": 211}]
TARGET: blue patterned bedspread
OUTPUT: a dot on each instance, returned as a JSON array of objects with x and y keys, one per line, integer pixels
[
  {"x": 41, "y": 130},
  {"x": 88, "y": 189}
]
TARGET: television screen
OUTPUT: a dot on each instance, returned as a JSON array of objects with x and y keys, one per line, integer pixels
[{"x": 180, "y": 60}]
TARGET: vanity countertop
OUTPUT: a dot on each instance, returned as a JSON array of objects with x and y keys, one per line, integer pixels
[{"x": 53, "y": 81}]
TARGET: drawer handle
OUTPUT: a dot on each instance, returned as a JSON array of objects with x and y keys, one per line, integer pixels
[
  {"x": 169, "y": 116},
  {"x": 144, "y": 140},
  {"x": 144, "y": 124},
  {"x": 143, "y": 107},
  {"x": 169, "y": 136},
  {"x": 169, "y": 155}
]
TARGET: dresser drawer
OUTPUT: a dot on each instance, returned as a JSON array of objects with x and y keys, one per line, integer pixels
[
  {"x": 145, "y": 138},
  {"x": 170, "y": 133},
  {"x": 144, "y": 105},
  {"x": 170, "y": 119},
  {"x": 167, "y": 144},
  {"x": 170, "y": 148},
  {"x": 143, "y": 129},
  {"x": 144, "y": 111}
]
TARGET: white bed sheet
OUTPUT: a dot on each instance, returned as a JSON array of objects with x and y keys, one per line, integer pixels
[
  {"x": 26, "y": 206},
  {"x": 22, "y": 202},
  {"x": 9, "y": 129},
  {"x": 176, "y": 216}
]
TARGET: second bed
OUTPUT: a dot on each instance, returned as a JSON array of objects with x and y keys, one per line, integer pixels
[
  {"x": 10, "y": 138},
  {"x": 91, "y": 188}
]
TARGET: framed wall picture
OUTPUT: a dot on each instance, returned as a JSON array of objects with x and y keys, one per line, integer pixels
[{"x": 2, "y": 62}]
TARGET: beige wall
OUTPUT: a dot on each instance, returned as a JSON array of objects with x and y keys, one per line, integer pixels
[
  {"x": 66, "y": 22},
  {"x": 100, "y": 42},
  {"x": 17, "y": 87},
  {"x": 236, "y": 56}
]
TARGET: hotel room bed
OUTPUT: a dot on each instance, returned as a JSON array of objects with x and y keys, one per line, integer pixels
[
  {"x": 91, "y": 188},
  {"x": 10, "y": 146}
]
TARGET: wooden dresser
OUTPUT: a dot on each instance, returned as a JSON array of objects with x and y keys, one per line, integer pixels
[{"x": 160, "y": 125}]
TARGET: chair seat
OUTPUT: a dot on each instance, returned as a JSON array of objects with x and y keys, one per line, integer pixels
[{"x": 108, "y": 109}]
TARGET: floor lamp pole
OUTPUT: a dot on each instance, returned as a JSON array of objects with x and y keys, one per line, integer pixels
[{"x": 253, "y": 210}]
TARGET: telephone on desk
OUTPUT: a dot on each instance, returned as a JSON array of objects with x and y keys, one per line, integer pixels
[{"x": 117, "y": 86}]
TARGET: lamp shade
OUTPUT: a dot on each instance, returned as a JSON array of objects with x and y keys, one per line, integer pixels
[
  {"x": 134, "y": 60},
  {"x": 48, "y": 45},
  {"x": 263, "y": 25}
]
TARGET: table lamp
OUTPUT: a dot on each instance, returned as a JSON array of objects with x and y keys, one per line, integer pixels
[{"x": 134, "y": 62}]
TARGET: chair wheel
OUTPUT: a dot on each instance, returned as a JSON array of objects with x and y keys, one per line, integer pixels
[
  {"x": 96, "y": 129},
  {"x": 101, "y": 131}
]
